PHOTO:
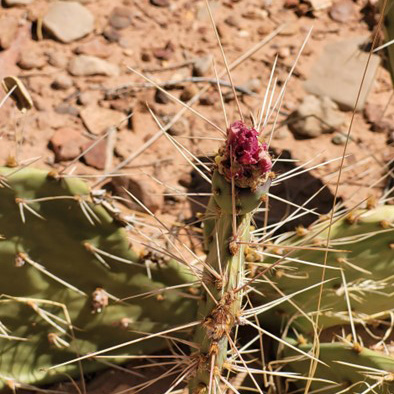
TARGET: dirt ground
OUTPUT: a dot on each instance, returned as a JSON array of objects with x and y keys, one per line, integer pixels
[{"x": 170, "y": 41}]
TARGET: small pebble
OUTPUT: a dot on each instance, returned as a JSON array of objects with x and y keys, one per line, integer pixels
[
  {"x": 57, "y": 59},
  {"x": 30, "y": 60},
  {"x": 160, "y": 3},
  {"x": 342, "y": 11},
  {"x": 62, "y": 82},
  {"x": 339, "y": 139},
  {"x": 120, "y": 18},
  {"x": 66, "y": 109},
  {"x": 161, "y": 97},
  {"x": 111, "y": 34},
  {"x": 202, "y": 66},
  {"x": 189, "y": 92}
]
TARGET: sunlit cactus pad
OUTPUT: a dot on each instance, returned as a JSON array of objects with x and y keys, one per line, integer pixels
[
  {"x": 359, "y": 268},
  {"x": 64, "y": 259},
  {"x": 353, "y": 369}
]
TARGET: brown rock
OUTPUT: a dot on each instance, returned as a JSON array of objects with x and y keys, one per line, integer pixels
[
  {"x": 57, "y": 59},
  {"x": 342, "y": 11},
  {"x": 66, "y": 109},
  {"x": 202, "y": 66},
  {"x": 189, "y": 92},
  {"x": 373, "y": 112},
  {"x": 161, "y": 97},
  {"x": 68, "y": 21},
  {"x": 84, "y": 65},
  {"x": 8, "y": 31},
  {"x": 96, "y": 156},
  {"x": 31, "y": 59},
  {"x": 97, "y": 119},
  {"x": 120, "y": 18},
  {"x": 96, "y": 47},
  {"x": 146, "y": 191},
  {"x": 62, "y": 82},
  {"x": 67, "y": 143},
  {"x": 143, "y": 124},
  {"x": 111, "y": 34},
  {"x": 160, "y": 3},
  {"x": 164, "y": 53}
]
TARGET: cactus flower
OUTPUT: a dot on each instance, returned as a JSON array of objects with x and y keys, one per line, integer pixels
[{"x": 244, "y": 158}]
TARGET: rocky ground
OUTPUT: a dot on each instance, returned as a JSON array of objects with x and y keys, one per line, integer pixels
[{"x": 76, "y": 60}]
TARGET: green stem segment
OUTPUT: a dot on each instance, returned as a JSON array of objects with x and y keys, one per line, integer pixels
[{"x": 219, "y": 309}]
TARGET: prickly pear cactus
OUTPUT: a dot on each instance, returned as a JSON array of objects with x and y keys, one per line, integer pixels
[
  {"x": 66, "y": 266},
  {"x": 238, "y": 185},
  {"x": 359, "y": 274},
  {"x": 350, "y": 367},
  {"x": 360, "y": 268}
]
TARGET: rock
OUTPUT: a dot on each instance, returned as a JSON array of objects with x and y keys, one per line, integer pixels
[
  {"x": 120, "y": 18},
  {"x": 252, "y": 85},
  {"x": 339, "y": 71},
  {"x": 96, "y": 156},
  {"x": 164, "y": 53},
  {"x": 30, "y": 59},
  {"x": 339, "y": 139},
  {"x": 11, "y": 3},
  {"x": 342, "y": 11},
  {"x": 126, "y": 142},
  {"x": 50, "y": 120},
  {"x": 86, "y": 98},
  {"x": 160, "y": 3},
  {"x": 68, "y": 21},
  {"x": 96, "y": 47},
  {"x": 57, "y": 59},
  {"x": 373, "y": 113},
  {"x": 284, "y": 52},
  {"x": 189, "y": 91},
  {"x": 111, "y": 34},
  {"x": 67, "y": 143},
  {"x": 146, "y": 190},
  {"x": 202, "y": 66},
  {"x": 233, "y": 21},
  {"x": 161, "y": 97},
  {"x": 62, "y": 82},
  {"x": 181, "y": 127},
  {"x": 40, "y": 103},
  {"x": 143, "y": 124},
  {"x": 318, "y": 5},
  {"x": 97, "y": 119},
  {"x": 376, "y": 117},
  {"x": 281, "y": 133},
  {"x": 291, "y": 3},
  {"x": 66, "y": 109},
  {"x": 315, "y": 116},
  {"x": 210, "y": 98},
  {"x": 8, "y": 31},
  {"x": 84, "y": 65},
  {"x": 289, "y": 29}
]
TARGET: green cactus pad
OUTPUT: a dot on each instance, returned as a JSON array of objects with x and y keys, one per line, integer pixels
[
  {"x": 367, "y": 262},
  {"x": 347, "y": 367},
  {"x": 61, "y": 252}
]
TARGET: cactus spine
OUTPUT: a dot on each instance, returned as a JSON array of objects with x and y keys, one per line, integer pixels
[{"x": 238, "y": 185}]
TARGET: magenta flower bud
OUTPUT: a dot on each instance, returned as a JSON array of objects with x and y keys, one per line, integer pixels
[{"x": 244, "y": 158}]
